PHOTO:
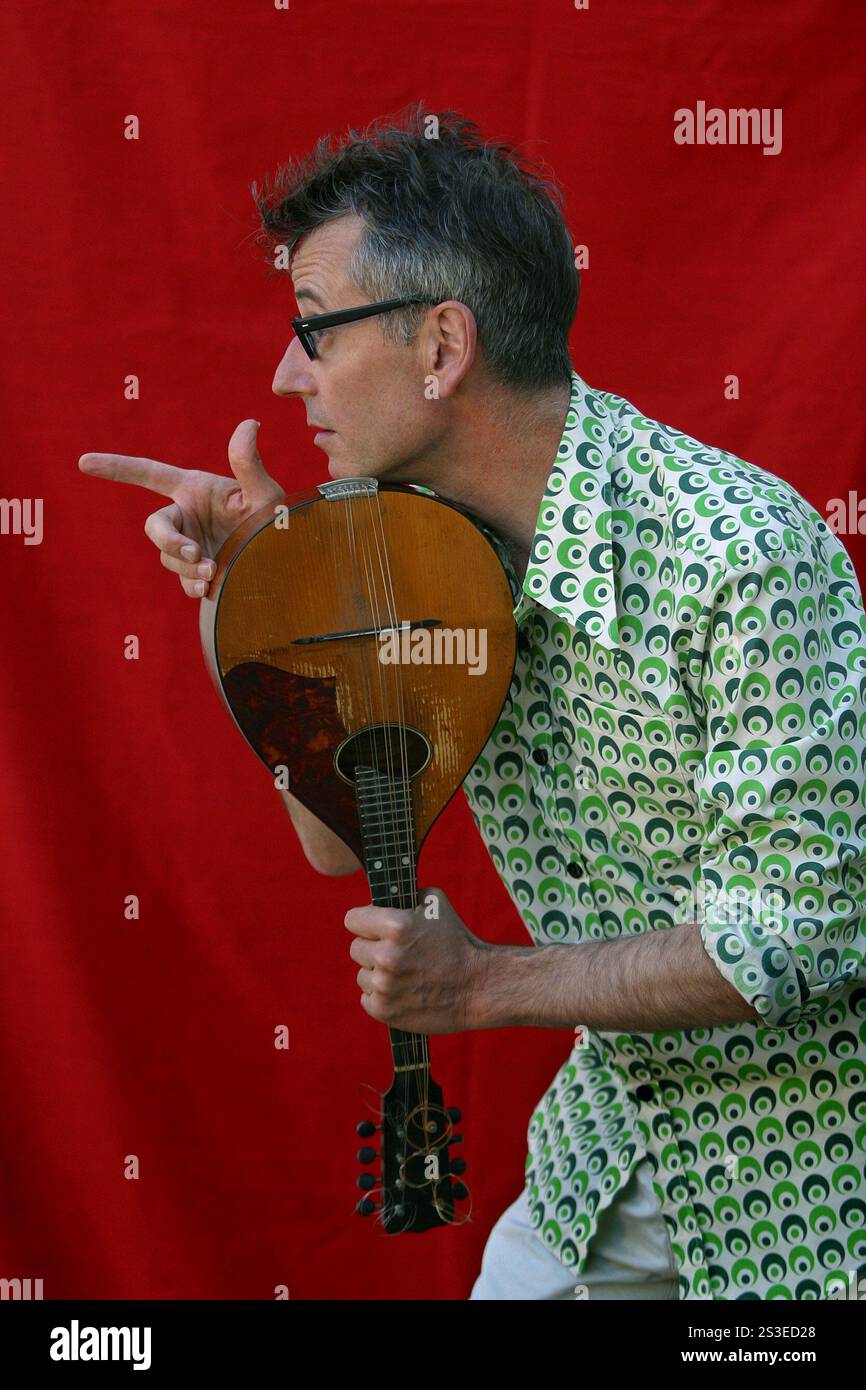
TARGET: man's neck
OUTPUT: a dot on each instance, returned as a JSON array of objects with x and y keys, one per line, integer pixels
[{"x": 497, "y": 463}]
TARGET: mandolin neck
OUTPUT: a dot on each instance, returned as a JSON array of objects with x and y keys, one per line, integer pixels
[{"x": 388, "y": 839}]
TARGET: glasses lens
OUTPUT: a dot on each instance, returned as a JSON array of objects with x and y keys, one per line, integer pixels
[{"x": 308, "y": 344}]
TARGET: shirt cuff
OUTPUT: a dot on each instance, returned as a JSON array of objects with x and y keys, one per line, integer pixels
[{"x": 753, "y": 959}]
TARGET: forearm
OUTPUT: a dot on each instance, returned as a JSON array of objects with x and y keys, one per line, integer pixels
[
  {"x": 663, "y": 979},
  {"x": 327, "y": 853}
]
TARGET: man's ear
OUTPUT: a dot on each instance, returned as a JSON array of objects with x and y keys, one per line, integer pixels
[{"x": 449, "y": 341}]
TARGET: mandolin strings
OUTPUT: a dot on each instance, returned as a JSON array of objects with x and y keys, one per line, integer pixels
[
  {"x": 378, "y": 529},
  {"x": 372, "y": 528}
]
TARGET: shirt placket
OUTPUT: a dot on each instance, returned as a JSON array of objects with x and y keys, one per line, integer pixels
[{"x": 544, "y": 756}]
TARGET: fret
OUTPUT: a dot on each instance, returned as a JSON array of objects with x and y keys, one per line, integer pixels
[
  {"x": 399, "y": 830},
  {"x": 404, "y": 807},
  {"x": 398, "y": 822},
  {"x": 387, "y": 847}
]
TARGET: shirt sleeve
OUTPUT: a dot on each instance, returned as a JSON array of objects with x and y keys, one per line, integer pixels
[{"x": 780, "y": 781}]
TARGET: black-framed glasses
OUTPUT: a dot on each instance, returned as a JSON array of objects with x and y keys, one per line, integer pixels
[{"x": 306, "y": 327}]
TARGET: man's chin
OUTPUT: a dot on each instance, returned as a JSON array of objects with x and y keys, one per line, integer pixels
[
  {"x": 343, "y": 468},
  {"x": 349, "y": 467}
]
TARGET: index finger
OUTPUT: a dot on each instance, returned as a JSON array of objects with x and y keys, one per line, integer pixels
[
  {"x": 164, "y": 478},
  {"x": 375, "y": 922}
]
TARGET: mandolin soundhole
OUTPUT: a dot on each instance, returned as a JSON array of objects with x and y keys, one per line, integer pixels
[{"x": 392, "y": 749}]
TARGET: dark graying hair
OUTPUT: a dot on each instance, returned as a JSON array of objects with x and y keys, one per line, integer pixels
[{"x": 447, "y": 215}]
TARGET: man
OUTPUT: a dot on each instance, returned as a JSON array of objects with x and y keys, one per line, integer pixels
[{"x": 674, "y": 793}]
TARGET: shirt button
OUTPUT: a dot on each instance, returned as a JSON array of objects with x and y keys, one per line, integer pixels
[
  {"x": 574, "y": 870},
  {"x": 644, "y": 1092},
  {"x": 539, "y": 755}
]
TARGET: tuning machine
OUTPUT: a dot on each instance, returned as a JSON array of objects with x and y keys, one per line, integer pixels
[{"x": 367, "y": 1181}]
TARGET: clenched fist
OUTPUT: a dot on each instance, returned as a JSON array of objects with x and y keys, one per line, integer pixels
[{"x": 421, "y": 970}]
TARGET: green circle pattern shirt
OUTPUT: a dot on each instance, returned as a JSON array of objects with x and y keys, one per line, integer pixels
[{"x": 684, "y": 740}]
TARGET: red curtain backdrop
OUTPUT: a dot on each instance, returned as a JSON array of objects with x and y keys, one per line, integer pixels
[{"x": 155, "y": 1037}]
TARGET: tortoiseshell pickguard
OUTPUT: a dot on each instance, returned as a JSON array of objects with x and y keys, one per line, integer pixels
[{"x": 293, "y": 721}]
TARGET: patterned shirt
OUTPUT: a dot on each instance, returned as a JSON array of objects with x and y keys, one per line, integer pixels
[{"x": 684, "y": 740}]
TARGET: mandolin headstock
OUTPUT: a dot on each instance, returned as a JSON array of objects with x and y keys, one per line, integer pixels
[{"x": 416, "y": 1185}]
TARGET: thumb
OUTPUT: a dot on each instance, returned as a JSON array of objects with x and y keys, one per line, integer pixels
[{"x": 245, "y": 460}]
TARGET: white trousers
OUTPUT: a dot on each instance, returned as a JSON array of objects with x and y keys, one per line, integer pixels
[{"x": 630, "y": 1253}]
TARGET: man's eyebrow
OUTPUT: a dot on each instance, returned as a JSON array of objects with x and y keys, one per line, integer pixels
[{"x": 305, "y": 292}]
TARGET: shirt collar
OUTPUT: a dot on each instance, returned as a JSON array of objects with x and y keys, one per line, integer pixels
[{"x": 570, "y": 569}]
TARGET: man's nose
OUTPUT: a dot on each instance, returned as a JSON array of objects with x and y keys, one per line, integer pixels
[{"x": 293, "y": 376}]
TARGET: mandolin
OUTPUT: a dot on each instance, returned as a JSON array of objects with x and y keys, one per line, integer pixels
[{"x": 362, "y": 636}]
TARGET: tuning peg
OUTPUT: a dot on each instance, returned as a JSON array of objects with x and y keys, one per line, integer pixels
[
  {"x": 458, "y": 1165},
  {"x": 366, "y": 1128},
  {"x": 365, "y": 1207},
  {"x": 365, "y": 1181},
  {"x": 455, "y": 1139},
  {"x": 367, "y": 1155},
  {"x": 453, "y": 1114},
  {"x": 458, "y": 1191}
]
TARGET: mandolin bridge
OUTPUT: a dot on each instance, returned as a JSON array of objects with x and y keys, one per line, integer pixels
[{"x": 348, "y": 487}]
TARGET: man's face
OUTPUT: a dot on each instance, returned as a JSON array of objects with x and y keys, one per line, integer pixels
[{"x": 364, "y": 396}]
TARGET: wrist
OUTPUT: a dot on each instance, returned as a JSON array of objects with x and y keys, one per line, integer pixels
[{"x": 494, "y": 1000}]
